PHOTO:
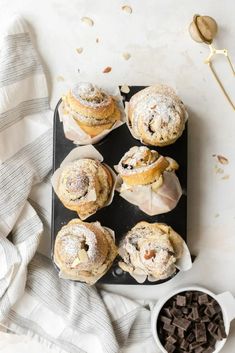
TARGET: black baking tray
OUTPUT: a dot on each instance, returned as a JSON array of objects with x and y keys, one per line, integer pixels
[{"x": 120, "y": 216}]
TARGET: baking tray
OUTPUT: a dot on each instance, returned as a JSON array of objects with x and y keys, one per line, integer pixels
[{"x": 120, "y": 215}]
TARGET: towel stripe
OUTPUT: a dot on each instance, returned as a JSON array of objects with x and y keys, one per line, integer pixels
[
  {"x": 18, "y": 59},
  {"x": 23, "y": 109},
  {"x": 45, "y": 285},
  {"x": 29, "y": 327},
  {"x": 28, "y": 165}
]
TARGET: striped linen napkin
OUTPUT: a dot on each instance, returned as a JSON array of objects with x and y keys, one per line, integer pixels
[{"x": 67, "y": 316}]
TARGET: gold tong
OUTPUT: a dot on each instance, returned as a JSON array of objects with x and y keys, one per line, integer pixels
[{"x": 203, "y": 29}]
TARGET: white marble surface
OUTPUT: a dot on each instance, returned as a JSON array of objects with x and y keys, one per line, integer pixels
[{"x": 156, "y": 36}]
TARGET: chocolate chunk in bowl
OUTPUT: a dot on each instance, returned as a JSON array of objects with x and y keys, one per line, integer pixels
[{"x": 193, "y": 320}]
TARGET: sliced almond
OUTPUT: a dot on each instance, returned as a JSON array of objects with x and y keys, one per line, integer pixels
[
  {"x": 222, "y": 159},
  {"x": 83, "y": 255},
  {"x": 219, "y": 171},
  {"x": 107, "y": 70},
  {"x": 127, "y": 9},
  {"x": 126, "y": 56},
  {"x": 59, "y": 78},
  {"x": 225, "y": 177},
  {"x": 125, "y": 89},
  {"x": 79, "y": 50},
  {"x": 88, "y": 21},
  {"x": 75, "y": 262}
]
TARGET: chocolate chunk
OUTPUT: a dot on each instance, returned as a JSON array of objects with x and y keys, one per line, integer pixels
[
  {"x": 211, "y": 341},
  {"x": 209, "y": 311},
  {"x": 195, "y": 314},
  {"x": 170, "y": 348},
  {"x": 219, "y": 334},
  {"x": 172, "y": 339},
  {"x": 181, "y": 300},
  {"x": 209, "y": 350},
  {"x": 184, "y": 345},
  {"x": 176, "y": 312},
  {"x": 200, "y": 330},
  {"x": 217, "y": 318},
  {"x": 215, "y": 335},
  {"x": 212, "y": 310},
  {"x": 201, "y": 309},
  {"x": 190, "y": 337},
  {"x": 180, "y": 332},
  {"x": 212, "y": 327},
  {"x": 194, "y": 345},
  {"x": 203, "y": 299},
  {"x": 167, "y": 312},
  {"x": 181, "y": 323},
  {"x": 189, "y": 296},
  {"x": 195, "y": 296},
  {"x": 199, "y": 349},
  {"x": 205, "y": 319},
  {"x": 165, "y": 319},
  {"x": 169, "y": 328}
]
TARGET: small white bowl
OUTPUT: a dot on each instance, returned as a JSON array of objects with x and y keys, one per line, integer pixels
[{"x": 225, "y": 300}]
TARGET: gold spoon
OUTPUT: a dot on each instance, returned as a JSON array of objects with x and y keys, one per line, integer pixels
[{"x": 203, "y": 29}]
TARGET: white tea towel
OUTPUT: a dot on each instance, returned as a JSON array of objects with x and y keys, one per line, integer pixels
[{"x": 68, "y": 316}]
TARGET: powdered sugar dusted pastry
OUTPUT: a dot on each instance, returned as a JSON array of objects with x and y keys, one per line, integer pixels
[
  {"x": 84, "y": 251},
  {"x": 151, "y": 250},
  {"x": 149, "y": 180},
  {"x": 91, "y": 107},
  {"x": 156, "y": 115},
  {"x": 84, "y": 186}
]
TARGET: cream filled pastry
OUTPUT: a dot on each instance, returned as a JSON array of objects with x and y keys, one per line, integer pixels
[
  {"x": 85, "y": 186},
  {"x": 156, "y": 115},
  {"x": 149, "y": 180},
  {"x": 93, "y": 109},
  {"x": 84, "y": 251},
  {"x": 151, "y": 250}
]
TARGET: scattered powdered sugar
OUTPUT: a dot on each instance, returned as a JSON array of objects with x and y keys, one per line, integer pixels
[
  {"x": 138, "y": 242},
  {"x": 158, "y": 107},
  {"x": 90, "y": 95},
  {"x": 70, "y": 246},
  {"x": 77, "y": 181},
  {"x": 74, "y": 237},
  {"x": 159, "y": 112}
]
